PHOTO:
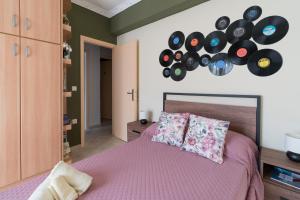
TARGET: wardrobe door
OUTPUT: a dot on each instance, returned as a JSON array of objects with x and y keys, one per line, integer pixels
[
  {"x": 9, "y": 16},
  {"x": 41, "y": 115},
  {"x": 9, "y": 109},
  {"x": 41, "y": 19}
]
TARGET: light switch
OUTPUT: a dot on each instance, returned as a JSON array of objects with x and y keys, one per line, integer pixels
[{"x": 74, "y": 88}]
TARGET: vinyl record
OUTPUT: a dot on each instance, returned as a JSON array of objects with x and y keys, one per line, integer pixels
[
  {"x": 215, "y": 42},
  {"x": 220, "y": 64},
  {"x": 178, "y": 72},
  {"x": 240, "y": 51},
  {"x": 264, "y": 62},
  {"x": 239, "y": 30},
  {"x": 252, "y": 13},
  {"x": 204, "y": 60},
  {"x": 270, "y": 30},
  {"x": 194, "y": 42},
  {"x": 176, "y": 40},
  {"x": 222, "y": 23},
  {"x": 190, "y": 60},
  {"x": 166, "y": 58},
  {"x": 167, "y": 72},
  {"x": 178, "y": 56}
]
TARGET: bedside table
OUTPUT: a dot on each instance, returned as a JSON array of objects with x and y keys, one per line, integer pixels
[
  {"x": 275, "y": 190},
  {"x": 134, "y": 129}
]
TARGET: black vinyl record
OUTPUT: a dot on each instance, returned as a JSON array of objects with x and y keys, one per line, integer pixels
[
  {"x": 270, "y": 30},
  {"x": 239, "y": 30},
  {"x": 240, "y": 51},
  {"x": 190, "y": 60},
  {"x": 178, "y": 72},
  {"x": 204, "y": 60},
  {"x": 215, "y": 42},
  {"x": 167, "y": 72},
  {"x": 176, "y": 40},
  {"x": 194, "y": 42},
  {"x": 220, "y": 64},
  {"x": 166, "y": 58},
  {"x": 252, "y": 13},
  {"x": 264, "y": 62},
  {"x": 178, "y": 56},
  {"x": 222, "y": 23}
]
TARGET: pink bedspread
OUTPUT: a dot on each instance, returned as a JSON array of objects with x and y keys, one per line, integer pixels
[{"x": 145, "y": 170}]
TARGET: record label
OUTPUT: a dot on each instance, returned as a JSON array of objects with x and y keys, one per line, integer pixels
[
  {"x": 194, "y": 42},
  {"x": 222, "y": 23},
  {"x": 204, "y": 60},
  {"x": 242, "y": 52},
  {"x": 220, "y": 64},
  {"x": 166, "y": 58},
  {"x": 270, "y": 30},
  {"x": 178, "y": 55},
  {"x": 214, "y": 42},
  {"x": 252, "y": 13},
  {"x": 265, "y": 62},
  {"x": 176, "y": 40}
]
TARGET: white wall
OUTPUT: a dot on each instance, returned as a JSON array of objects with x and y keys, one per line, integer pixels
[{"x": 280, "y": 92}]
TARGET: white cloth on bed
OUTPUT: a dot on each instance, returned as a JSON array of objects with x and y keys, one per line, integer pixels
[
  {"x": 79, "y": 181},
  {"x": 61, "y": 190}
]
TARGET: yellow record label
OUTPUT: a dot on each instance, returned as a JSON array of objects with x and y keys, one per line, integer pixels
[{"x": 264, "y": 62}]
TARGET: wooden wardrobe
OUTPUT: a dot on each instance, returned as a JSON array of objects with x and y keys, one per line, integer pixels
[{"x": 30, "y": 87}]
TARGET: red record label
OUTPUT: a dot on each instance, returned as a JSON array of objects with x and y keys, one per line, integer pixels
[
  {"x": 241, "y": 52},
  {"x": 166, "y": 58},
  {"x": 194, "y": 42}
]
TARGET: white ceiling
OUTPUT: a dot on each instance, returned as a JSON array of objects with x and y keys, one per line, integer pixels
[{"x": 107, "y": 8}]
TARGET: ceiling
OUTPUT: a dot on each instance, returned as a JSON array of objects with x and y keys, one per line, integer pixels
[{"x": 107, "y": 8}]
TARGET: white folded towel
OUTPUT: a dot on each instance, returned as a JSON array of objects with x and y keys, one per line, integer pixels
[
  {"x": 42, "y": 192},
  {"x": 61, "y": 190},
  {"x": 78, "y": 180}
]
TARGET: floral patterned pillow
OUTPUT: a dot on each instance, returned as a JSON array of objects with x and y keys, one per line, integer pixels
[
  {"x": 206, "y": 137},
  {"x": 171, "y": 128}
]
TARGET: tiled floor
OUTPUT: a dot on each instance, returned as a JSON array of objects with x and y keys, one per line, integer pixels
[{"x": 96, "y": 141}]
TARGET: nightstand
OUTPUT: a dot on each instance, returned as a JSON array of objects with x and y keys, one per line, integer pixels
[
  {"x": 275, "y": 190},
  {"x": 134, "y": 129}
]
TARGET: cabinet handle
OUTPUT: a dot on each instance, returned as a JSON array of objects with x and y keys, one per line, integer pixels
[
  {"x": 132, "y": 94},
  {"x": 15, "y": 49},
  {"x": 27, "y": 51},
  {"x": 14, "y": 21},
  {"x": 27, "y": 24}
]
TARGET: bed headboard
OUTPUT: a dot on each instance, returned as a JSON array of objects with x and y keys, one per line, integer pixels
[{"x": 243, "y": 119}]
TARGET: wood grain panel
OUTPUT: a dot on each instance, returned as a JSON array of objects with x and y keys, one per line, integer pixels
[
  {"x": 242, "y": 119},
  {"x": 9, "y": 110},
  {"x": 43, "y": 19},
  {"x": 9, "y": 16},
  {"x": 41, "y": 119}
]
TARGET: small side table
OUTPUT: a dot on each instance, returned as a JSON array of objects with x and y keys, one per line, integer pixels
[{"x": 134, "y": 129}]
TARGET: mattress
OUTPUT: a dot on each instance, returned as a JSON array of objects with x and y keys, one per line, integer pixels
[{"x": 146, "y": 170}]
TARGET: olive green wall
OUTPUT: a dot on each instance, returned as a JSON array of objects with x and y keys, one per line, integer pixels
[
  {"x": 148, "y": 11},
  {"x": 87, "y": 23}
]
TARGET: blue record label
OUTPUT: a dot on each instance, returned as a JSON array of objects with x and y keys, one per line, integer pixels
[{"x": 269, "y": 30}]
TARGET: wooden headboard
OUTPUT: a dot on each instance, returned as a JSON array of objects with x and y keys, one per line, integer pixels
[{"x": 243, "y": 119}]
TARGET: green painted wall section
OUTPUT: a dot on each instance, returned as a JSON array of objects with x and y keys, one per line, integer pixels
[
  {"x": 148, "y": 11},
  {"x": 87, "y": 23}
]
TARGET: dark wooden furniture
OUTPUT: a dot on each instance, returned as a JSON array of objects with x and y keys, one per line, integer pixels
[
  {"x": 243, "y": 119},
  {"x": 275, "y": 190},
  {"x": 134, "y": 129}
]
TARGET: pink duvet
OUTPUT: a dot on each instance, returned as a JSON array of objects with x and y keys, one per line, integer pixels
[{"x": 145, "y": 170}]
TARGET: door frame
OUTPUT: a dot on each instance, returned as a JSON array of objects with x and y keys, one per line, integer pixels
[{"x": 89, "y": 40}]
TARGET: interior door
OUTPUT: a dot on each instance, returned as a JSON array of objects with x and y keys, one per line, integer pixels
[
  {"x": 9, "y": 16},
  {"x": 124, "y": 87},
  {"x": 41, "y": 19},
  {"x": 9, "y": 109},
  {"x": 41, "y": 116}
]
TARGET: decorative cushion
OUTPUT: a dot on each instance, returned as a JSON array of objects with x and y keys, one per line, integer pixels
[
  {"x": 206, "y": 137},
  {"x": 171, "y": 128}
]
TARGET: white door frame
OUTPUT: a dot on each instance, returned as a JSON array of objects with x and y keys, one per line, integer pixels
[{"x": 83, "y": 40}]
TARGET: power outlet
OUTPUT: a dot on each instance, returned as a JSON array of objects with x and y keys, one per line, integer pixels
[
  {"x": 74, "y": 88},
  {"x": 74, "y": 121}
]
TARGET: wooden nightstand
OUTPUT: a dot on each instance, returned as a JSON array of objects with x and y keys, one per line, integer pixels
[
  {"x": 134, "y": 129},
  {"x": 275, "y": 190}
]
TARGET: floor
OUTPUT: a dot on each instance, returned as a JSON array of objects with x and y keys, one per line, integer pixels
[{"x": 96, "y": 141}]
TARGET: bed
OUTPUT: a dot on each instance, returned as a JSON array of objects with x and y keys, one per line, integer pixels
[{"x": 146, "y": 170}]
